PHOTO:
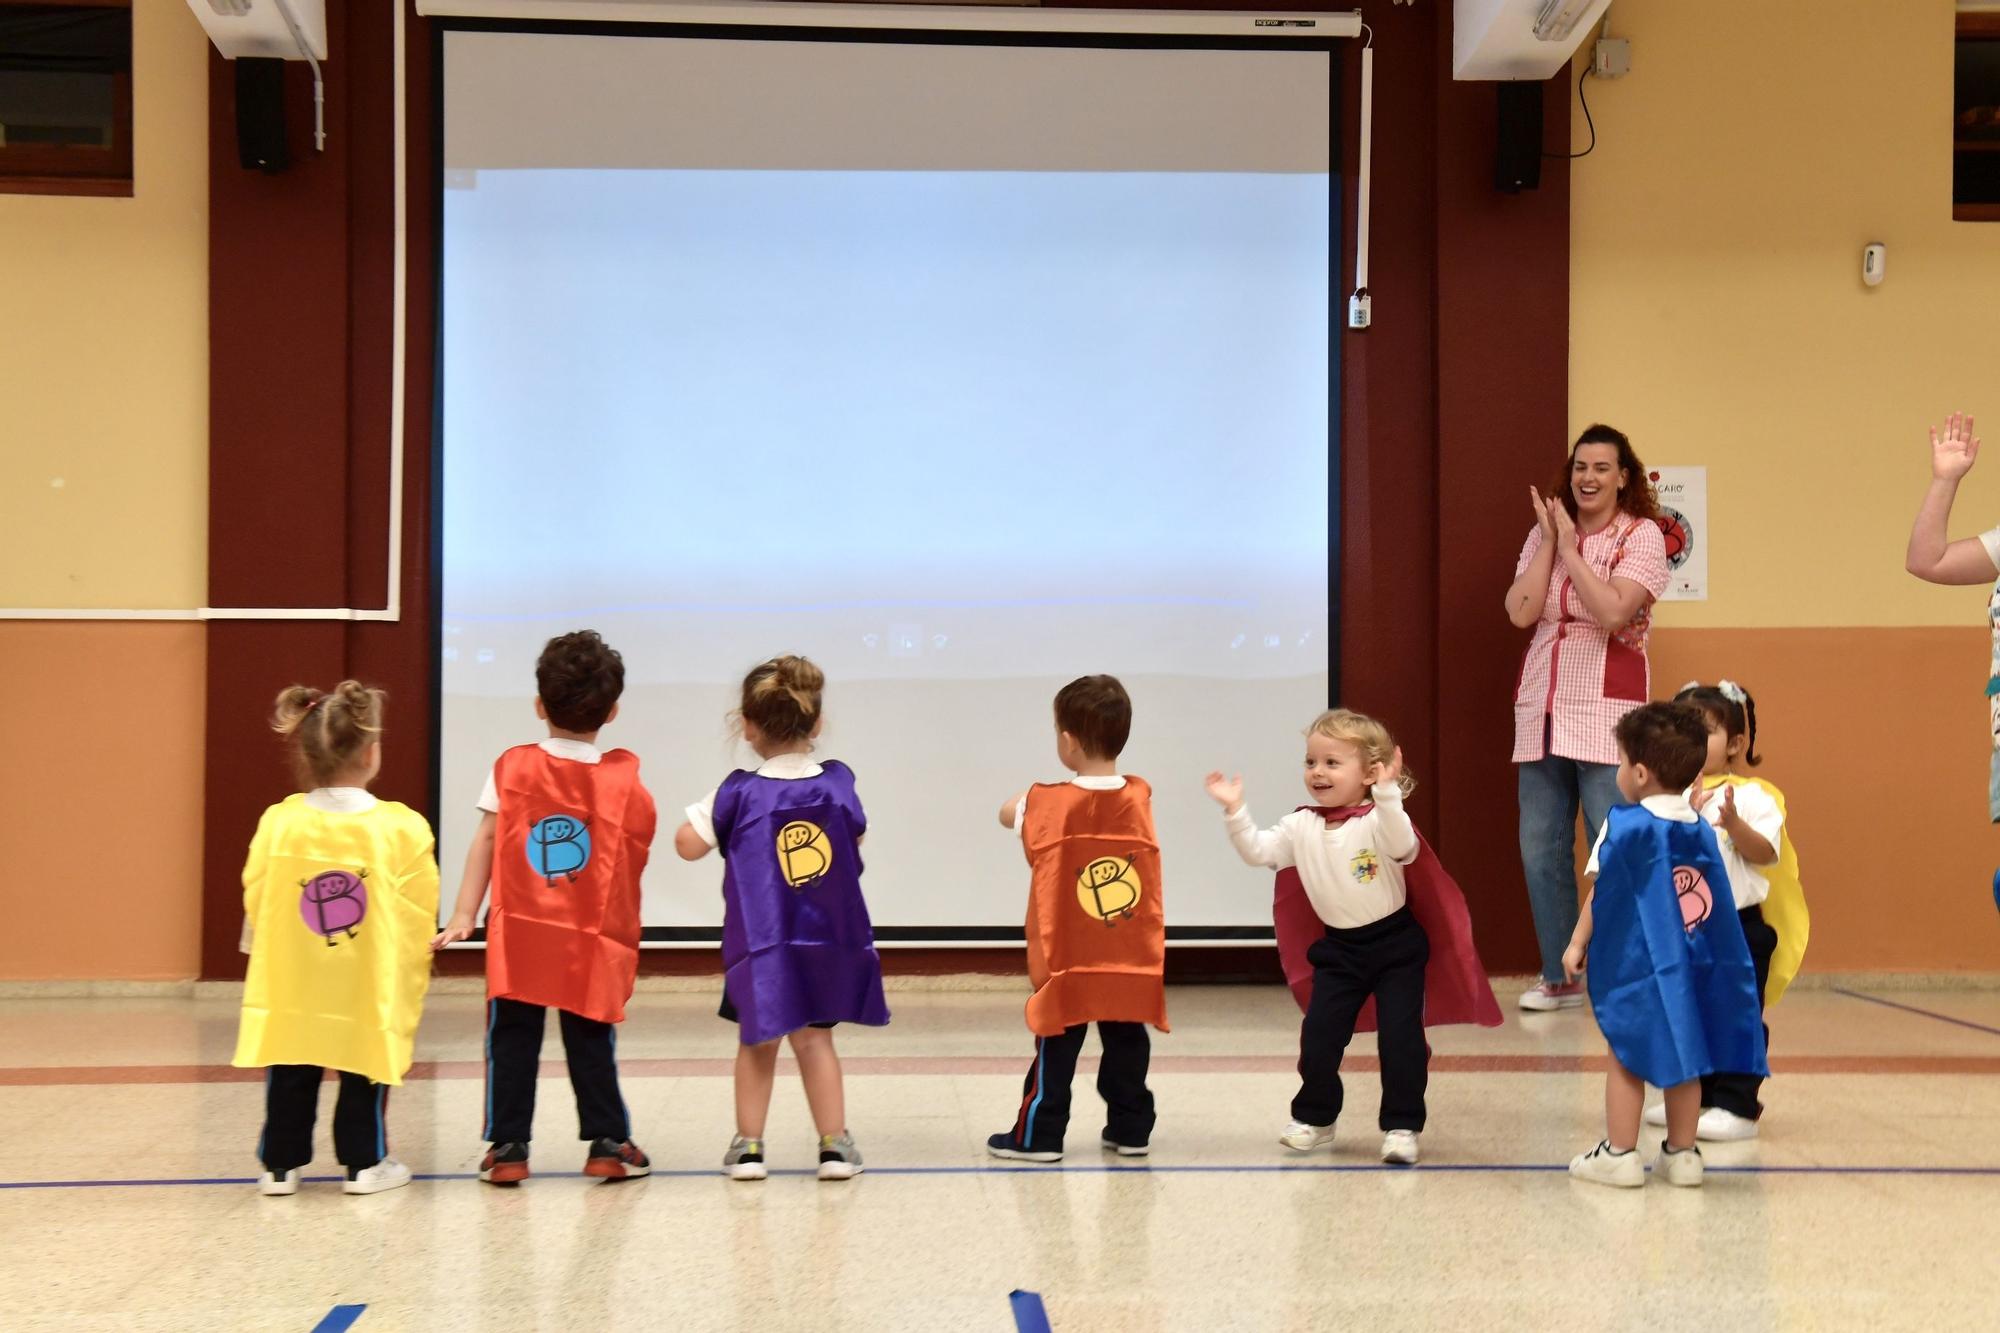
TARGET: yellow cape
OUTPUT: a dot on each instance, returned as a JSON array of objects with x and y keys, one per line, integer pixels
[
  {"x": 342, "y": 908},
  {"x": 1785, "y": 907}
]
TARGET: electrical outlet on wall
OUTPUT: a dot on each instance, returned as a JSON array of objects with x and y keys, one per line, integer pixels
[{"x": 1611, "y": 58}]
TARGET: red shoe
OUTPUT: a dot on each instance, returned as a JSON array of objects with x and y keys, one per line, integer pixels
[
  {"x": 617, "y": 1161},
  {"x": 505, "y": 1164}
]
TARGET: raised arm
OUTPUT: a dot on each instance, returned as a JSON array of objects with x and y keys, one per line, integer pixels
[
  {"x": 1932, "y": 556},
  {"x": 1529, "y": 592},
  {"x": 1258, "y": 847}
]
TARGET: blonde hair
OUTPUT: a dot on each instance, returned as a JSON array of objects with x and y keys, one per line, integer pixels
[
  {"x": 329, "y": 729},
  {"x": 782, "y": 697},
  {"x": 1365, "y": 734}
]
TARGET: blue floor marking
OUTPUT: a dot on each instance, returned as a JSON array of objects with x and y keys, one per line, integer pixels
[
  {"x": 1912, "y": 1009},
  {"x": 339, "y": 1319},
  {"x": 1029, "y": 1316}
]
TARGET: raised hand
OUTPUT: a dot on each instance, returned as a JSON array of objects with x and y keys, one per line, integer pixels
[
  {"x": 1542, "y": 519},
  {"x": 1391, "y": 773},
  {"x": 1953, "y": 452},
  {"x": 1226, "y": 792},
  {"x": 1565, "y": 526}
]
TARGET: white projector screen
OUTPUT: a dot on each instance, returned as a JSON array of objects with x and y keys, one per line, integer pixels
[{"x": 962, "y": 369}]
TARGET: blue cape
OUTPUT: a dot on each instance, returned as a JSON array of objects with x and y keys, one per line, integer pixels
[{"x": 1670, "y": 975}]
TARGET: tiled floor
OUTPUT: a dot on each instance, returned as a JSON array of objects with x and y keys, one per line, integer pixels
[{"x": 1873, "y": 1199}]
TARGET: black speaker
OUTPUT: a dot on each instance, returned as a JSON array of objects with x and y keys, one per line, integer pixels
[
  {"x": 260, "y": 115},
  {"x": 1517, "y": 163}
]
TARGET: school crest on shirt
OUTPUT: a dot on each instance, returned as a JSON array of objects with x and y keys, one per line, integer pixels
[
  {"x": 1365, "y": 866},
  {"x": 333, "y": 903}
]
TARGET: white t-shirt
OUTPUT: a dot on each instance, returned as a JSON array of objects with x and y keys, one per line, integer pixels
[
  {"x": 784, "y": 767},
  {"x": 1107, "y": 782},
  {"x": 1672, "y": 806},
  {"x": 341, "y": 800},
  {"x": 1353, "y": 872},
  {"x": 562, "y": 747},
  {"x": 1755, "y": 807},
  {"x": 1991, "y": 541}
]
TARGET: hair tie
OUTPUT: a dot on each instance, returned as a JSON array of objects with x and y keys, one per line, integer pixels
[
  {"x": 1731, "y": 691},
  {"x": 315, "y": 703},
  {"x": 1691, "y": 685}
]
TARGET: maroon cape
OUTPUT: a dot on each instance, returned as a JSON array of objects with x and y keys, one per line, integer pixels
[{"x": 1455, "y": 986}]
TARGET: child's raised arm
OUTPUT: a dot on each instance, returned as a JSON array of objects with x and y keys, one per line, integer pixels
[
  {"x": 1270, "y": 847},
  {"x": 471, "y": 885}
]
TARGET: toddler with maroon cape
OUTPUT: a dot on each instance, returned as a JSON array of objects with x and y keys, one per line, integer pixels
[
  {"x": 798, "y": 950},
  {"x": 1371, "y": 930}
]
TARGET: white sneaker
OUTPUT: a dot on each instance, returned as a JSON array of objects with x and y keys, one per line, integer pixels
[
  {"x": 1719, "y": 1126},
  {"x": 1683, "y": 1168},
  {"x": 1656, "y": 1115},
  {"x": 285, "y": 1182},
  {"x": 1301, "y": 1137},
  {"x": 839, "y": 1159},
  {"x": 1110, "y": 1144},
  {"x": 745, "y": 1159},
  {"x": 1399, "y": 1147},
  {"x": 1601, "y": 1166},
  {"x": 1547, "y": 996},
  {"x": 387, "y": 1174}
]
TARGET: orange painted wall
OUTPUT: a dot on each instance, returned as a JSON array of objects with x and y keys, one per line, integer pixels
[
  {"x": 103, "y": 793},
  {"x": 1877, "y": 738}
]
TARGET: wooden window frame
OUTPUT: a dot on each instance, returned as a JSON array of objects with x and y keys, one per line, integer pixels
[
  {"x": 74, "y": 169},
  {"x": 1983, "y": 27}
]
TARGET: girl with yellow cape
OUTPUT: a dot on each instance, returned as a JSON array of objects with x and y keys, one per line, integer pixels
[{"x": 1751, "y": 826}]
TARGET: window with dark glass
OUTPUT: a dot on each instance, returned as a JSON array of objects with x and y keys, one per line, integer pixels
[{"x": 66, "y": 98}]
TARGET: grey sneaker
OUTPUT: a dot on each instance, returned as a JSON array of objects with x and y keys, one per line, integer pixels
[
  {"x": 839, "y": 1159},
  {"x": 745, "y": 1159}
]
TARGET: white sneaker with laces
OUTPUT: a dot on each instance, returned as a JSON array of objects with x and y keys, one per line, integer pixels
[
  {"x": 387, "y": 1174},
  {"x": 1683, "y": 1168},
  {"x": 1546, "y": 996},
  {"x": 1656, "y": 1115},
  {"x": 1719, "y": 1126},
  {"x": 284, "y": 1182},
  {"x": 1301, "y": 1137},
  {"x": 1399, "y": 1147},
  {"x": 1601, "y": 1166}
]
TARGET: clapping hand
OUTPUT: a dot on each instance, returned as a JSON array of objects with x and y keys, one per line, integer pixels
[
  {"x": 1227, "y": 792},
  {"x": 1542, "y": 518},
  {"x": 1953, "y": 452}
]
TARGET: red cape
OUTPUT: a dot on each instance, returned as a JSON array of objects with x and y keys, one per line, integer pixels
[
  {"x": 1455, "y": 986},
  {"x": 571, "y": 843}
]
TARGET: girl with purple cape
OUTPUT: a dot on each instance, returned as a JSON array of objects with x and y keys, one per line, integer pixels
[{"x": 798, "y": 951}]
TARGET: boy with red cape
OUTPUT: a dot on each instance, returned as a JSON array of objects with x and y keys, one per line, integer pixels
[
  {"x": 564, "y": 836},
  {"x": 1096, "y": 932},
  {"x": 1372, "y": 932}
]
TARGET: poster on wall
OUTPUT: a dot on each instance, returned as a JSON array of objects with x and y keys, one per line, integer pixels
[{"x": 1683, "y": 493}]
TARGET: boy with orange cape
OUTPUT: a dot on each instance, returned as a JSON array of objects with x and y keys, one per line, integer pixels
[{"x": 1096, "y": 932}]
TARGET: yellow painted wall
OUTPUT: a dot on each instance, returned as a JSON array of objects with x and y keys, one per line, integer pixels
[
  {"x": 104, "y": 385},
  {"x": 104, "y": 377},
  {"x": 1717, "y": 310}
]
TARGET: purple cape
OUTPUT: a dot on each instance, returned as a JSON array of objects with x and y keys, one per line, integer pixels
[{"x": 797, "y": 946}]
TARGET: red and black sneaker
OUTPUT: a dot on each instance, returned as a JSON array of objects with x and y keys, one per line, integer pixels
[
  {"x": 504, "y": 1164},
  {"x": 617, "y": 1161}
]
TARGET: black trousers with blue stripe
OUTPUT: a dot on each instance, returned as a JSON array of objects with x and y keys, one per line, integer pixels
[
  {"x": 1121, "y": 1081},
  {"x": 514, "y": 1060},
  {"x": 291, "y": 1104}
]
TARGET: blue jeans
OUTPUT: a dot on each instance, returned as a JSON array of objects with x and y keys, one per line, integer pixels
[{"x": 1551, "y": 789}]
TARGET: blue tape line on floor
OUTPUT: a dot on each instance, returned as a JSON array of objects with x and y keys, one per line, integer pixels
[
  {"x": 1029, "y": 1316},
  {"x": 1303, "y": 1168},
  {"x": 1912, "y": 1009},
  {"x": 339, "y": 1319}
]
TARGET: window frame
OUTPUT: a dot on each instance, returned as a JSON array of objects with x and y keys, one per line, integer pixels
[{"x": 69, "y": 169}]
